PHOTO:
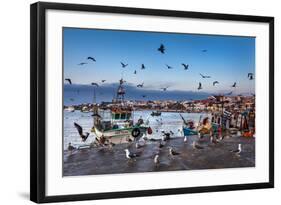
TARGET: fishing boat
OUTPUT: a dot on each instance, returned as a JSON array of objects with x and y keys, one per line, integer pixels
[{"x": 116, "y": 123}]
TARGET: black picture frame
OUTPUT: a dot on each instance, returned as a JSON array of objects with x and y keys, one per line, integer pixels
[{"x": 38, "y": 101}]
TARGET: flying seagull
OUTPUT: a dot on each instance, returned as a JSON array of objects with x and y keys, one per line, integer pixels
[
  {"x": 215, "y": 82},
  {"x": 229, "y": 93},
  {"x": 164, "y": 89},
  {"x": 196, "y": 146},
  {"x": 169, "y": 67},
  {"x": 95, "y": 84},
  {"x": 135, "y": 72},
  {"x": 83, "y": 63},
  {"x": 250, "y": 74},
  {"x": 237, "y": 151},
  {"x": 173, "y": 152},
  {"x": 68, "y": 80},
  {"x": 130, "y": 155},
  {"x": 91, "y": 58},
  {"x": 140, "y": 85},
  {"x": 103, "y": 81},
  {"x": 96, "y": 115},
  {"x": 144, "y": 96},
  {"x": 142, "y": 66},
  {"x": 70, "y": 147},
  {"x": 200, "y": 86},
  {"x": 185, "y": 66},
  {"x": 123, "y": 64},
  {"x": 80, "y": 131},
  {"x": 205, "y": 76},
  {"x": 234, "y": 85},
  {"x": 161, "y": 49},
  {"x": 204, "y": 50}
]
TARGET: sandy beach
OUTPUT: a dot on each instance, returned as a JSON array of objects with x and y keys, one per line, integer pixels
[{"x": 99, "y": 160}]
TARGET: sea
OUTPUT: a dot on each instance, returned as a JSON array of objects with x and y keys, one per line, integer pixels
[{"x": 168, "y": 121}]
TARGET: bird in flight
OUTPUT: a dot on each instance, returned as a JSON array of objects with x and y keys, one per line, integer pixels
[
  {"x": 161, "y": 49},
  {"x": 95, "y": 84},
  {"x": 123, "y": 65},
  {"x": 169, "y": 67},
  {"x": 250, "y": 76},
  {"x": 185, "y": 66},
  {"x": 80, "y": 131},
  {"x": 144, "y": 96},
  {"x": 164, "y": 89},
  {"x": 204, "y": 50},
  {"x": 234, "y": 85},
  {"x": 68, "y": 80},
  {"x": 140, "y": 85},
  {"x": 83, "y": 63},
  {"x": 135, "y": 72},
  {"x": 142, "y": 66},
  {"x": 103, "y": 81},
  {"x": 215, "y": 82},
  {"x": 205, "y": 76},
  {"x": 200, "y": 86},
  {"x": 91, "y": 58}
]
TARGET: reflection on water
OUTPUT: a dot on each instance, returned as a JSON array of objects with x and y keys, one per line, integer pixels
[{"x": 166, "y": 122}]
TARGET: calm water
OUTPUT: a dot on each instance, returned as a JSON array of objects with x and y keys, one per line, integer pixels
[{"x": 170, "y": 121}]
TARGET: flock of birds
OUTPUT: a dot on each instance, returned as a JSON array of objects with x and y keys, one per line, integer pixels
[
  {"x": 162, "y": 49},
  {"x": 141, "y": 143}
]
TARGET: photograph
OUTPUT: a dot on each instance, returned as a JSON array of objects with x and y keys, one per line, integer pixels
[{"x": 144, "y": 101}]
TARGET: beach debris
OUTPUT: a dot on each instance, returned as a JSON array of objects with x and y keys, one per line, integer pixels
[
  {"x": 200, "y": 86},
  {"x": 91, "y": 58},
  {"x": 204, "y": 76},
  {"x": 169, "y": 67},
  {"x": 238, "y": 150},
  {"x": 80, "y": 131},
  {"x": 124, "y": 65},
  {"x": 196, "y": 146},
  {"x": 185, "y": 66},
  {"x": 215, "y": 82},
  {"x": 82, "y": 63},
  {"x": 68, "y": 80},
  {"x": 162, "y": 49}
]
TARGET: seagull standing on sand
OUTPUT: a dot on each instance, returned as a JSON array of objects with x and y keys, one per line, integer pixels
[
  {"x": 80, "y": 131},
  {"x": 130, "y": 155},
  {"x": 172, "y": 152},
  {"x": 237, "y": 151},
  {"x": 185, "y": 139},
  {"x": 213, "y": 140},
  {"x": 196, "y": 146},
  {"x": 70, "y": 147},
  {"x": 156, "y": 160}
]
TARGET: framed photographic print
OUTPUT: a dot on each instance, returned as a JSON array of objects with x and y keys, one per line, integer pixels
[{"x": 129, "y": 102}]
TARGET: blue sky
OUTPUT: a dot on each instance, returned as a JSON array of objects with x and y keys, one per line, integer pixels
[{"x": 228, "y": 59}]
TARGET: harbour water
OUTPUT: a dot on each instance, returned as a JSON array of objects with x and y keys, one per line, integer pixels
[{"x": 168, "y": 121}]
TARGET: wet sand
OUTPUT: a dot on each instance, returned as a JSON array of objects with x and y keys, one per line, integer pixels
[{"x": 112, "y": 161}]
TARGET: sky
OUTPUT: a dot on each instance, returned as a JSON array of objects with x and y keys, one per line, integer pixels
[{"x": 228, "y": 59}]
